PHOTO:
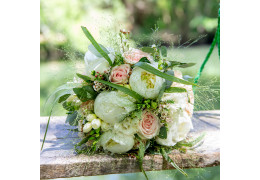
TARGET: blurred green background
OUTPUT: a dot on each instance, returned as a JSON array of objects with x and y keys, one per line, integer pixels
[{"x": 186, "y": 27}]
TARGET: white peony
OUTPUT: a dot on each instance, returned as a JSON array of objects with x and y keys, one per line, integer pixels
[
  {"x": 112, "y": 106},
  {"x": 98, "y": 64},
  {"x": 178, "y": 129},
  {"x": 116, "y": 142},
  {"x": 146, "y": 84},
  {"x": 128, "y": 126}
]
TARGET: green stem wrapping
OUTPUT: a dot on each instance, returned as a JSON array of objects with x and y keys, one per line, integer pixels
[
  {"x": 46, "y": 128},
  {"x": 215, "y": 40}
]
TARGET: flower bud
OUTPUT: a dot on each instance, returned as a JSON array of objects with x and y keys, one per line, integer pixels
[
  {"x": 96, "y": 123},
  {"x": 87, "y": 127},
  {"x": 91, "y": 117}
]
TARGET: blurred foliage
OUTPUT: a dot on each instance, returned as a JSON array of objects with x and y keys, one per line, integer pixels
[{"x": 178, "y": 21}]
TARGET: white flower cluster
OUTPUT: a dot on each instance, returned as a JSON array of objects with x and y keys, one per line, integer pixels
[{"x": 112, "y": 109}]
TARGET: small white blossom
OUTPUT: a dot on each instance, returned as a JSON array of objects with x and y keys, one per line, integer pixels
[
  {"x": 96, "y": 123},
  {"x": 87, "y": 127},
  {"x": 91, "y": 117}
]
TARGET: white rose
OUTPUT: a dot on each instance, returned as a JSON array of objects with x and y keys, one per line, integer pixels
[
  {"x": 87, "y": 127},
  {"x": 116, "y": 142},
  {"x": 177, "y": 130},
  {"x": 96, "y": 123},
  {"x": 98, "y": 64},
  {"x": 112, "y": 107},
  {"x": 128, "y": 126},
  {"x": 146, "y": 84}
]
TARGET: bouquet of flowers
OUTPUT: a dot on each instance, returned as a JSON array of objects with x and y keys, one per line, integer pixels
[{"x": 129, "y": 101}]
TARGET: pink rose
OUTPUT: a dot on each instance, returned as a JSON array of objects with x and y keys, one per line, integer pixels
[
  {"x": 120, "y": 74},
  {"x": 134, "y": 55},
  {"x": 149, "y": 126}
]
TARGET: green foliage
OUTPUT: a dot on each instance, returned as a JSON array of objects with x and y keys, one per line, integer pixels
[
  {"x": 163, "y": 132},
  {"x": 140, "y": 157},
  {"x": 167, "y": 158},
  {"x": 144, "y": 59},
  {"x": 156, "y": 72},
  {"x": 175, "y": 90},
  {"x": 169, "y": 83},
  {"x": 72, "y": 118},
  {"x": 63, "y": 98},
  {"x": 148, "y": 50},
  {"x": 96, "y": 45},
  {"x": 125, "y": 90},
  {"x": 164, "y": 51},
  {"x": 85, "y": 93}
]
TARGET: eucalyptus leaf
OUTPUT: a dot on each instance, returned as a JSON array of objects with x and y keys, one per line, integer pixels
[
  {"x": 71, "y": 118},
  {"x": 156, "y": 72},
  {"x": 164, "y": 51},
  {"x": 85, "y": 93},
  {"x": 163, "y": 133},
  {"x": 96, "y": 45},
  {"x": 175, "y": 90},
  {"x": 63, "y": 98},
  {"x": 92, "y": 49},
  {"x": 125, "y": 90}
]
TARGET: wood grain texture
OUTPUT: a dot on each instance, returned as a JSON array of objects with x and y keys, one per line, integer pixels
[{"x": 58, "y": 159}]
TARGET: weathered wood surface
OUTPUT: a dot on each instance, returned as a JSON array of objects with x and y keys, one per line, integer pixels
[{"x": 58, "y": 160}]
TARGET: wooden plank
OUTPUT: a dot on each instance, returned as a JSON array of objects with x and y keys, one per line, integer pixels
[{"x": 58, "y": 160}]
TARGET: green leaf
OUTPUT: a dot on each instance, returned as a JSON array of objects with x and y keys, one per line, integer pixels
[
  {"x": 68, "y": 106},
  {"x": 47, "y": 126},
  {"x": 167, "y": 158},
  {"x": 156, "y": 72},
  {"x": 148, "y": 50},
  {"x": 144, "y": 59},
  {"x": 140, "y": 157},
  {"x": 85, "y": 78},
  {"x": 161, "y": 92},
  {"x": 163, "y": 133},
  {"x": 194, "y": 142},
  {"x": 94, "y": 51},
  {"x": 125, "y": 90},
  {"x": 175, "y": 90},
  {"x": 185, "y": 65},
  {"x": 180, "y": 64},
  {"x": 169, "y": 83},
  {"x": 96, "y": 45},
  {"x": 71, "y": 118},
  {"x": 85, "y": 93},
  {"x": 164, "y": 51},
  {"x": 63, "y": 98}
]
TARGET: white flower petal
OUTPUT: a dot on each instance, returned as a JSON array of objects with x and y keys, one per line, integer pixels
[
  {"x": 112, "y": 107},
  {"x": 116, "y": 142}
]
